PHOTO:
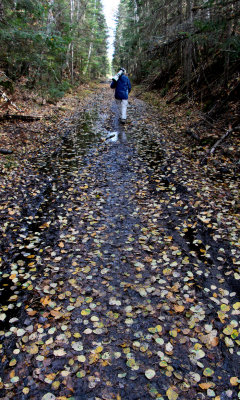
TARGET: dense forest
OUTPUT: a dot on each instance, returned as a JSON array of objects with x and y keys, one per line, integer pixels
[
  {"x": 52, "y": 43},
  {"x": 186, "y": 48},
  {"x": 191, "y": 45}
]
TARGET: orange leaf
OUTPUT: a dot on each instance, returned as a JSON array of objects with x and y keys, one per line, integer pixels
[
  {"x": 234, "y": 381},
  {"x": 206, "y": 385},
  {"x": 45, "y": 300},
  {"x": 214, "y": 342},
  {"x": 12, "y": 374},
  {"x": 31, "y": 313},
  {"x": 179, "y": 308},
  {"x": 45, "y": 225},
  {"x": 11, "y": 212},
  {"x": 56, "y": 314}
]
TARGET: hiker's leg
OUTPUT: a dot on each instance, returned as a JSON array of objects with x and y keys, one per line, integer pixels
[
  {"x": 124, "y": 109},
  {"x": 119, "y": 107}
]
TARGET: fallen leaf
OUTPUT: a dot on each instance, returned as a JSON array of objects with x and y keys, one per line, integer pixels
[
  {"x": 171, "y": 394},
  {"x": 56, "y": 314},
  {"x": 45, "y": 301},
  {"x": 206, "y": 385},
  {"x": 234, "y": 381},
  {"x": 179, "y": 308},
  {"x": 59, "y": 352},
  {"x": 150, "y": 373},
  {"x": 208, "y": 372},
  {"x": 48, "y": 396}
]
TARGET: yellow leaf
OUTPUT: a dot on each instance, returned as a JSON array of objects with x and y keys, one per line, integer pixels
[
  {"x": 171, "y": 394},
  {"x": 225, "y": 307},
  {"x": 221, "y": 316},
  {"x": 99, "y": 349},
  {"x": 87, "y": 311},
  {"x": 167, "y": 271},
  {"x": 208, "y": 372},
  {"x": 33, "y": 349},
  {"x": 81, "y": 359},
  {"x": 93, "y": 358},
  {"x": 77, "y": 335},
  {"x": 55, "y": 385},
  {"x": 236, "y": 306}
]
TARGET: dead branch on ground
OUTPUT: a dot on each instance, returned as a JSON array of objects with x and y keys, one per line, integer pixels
[
  {"x": 12, "y": 117},
  {"x": 212, "y": 150},
  {"x": 8, "y": 101}
]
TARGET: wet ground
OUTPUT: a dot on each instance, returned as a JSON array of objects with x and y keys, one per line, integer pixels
[{"x": 121, "y": 281}]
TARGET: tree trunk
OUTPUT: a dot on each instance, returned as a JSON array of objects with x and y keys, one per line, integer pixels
[
  {"x": 91, "y": 42},
  {"x": 50, "y": 18},
  {"x": 227, "y": 53},
  {"x": 1, "y": 11},
  {"x": 88, "y": 59}
]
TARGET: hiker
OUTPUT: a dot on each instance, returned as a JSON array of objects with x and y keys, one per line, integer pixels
[{"x": 122, "y": 86}]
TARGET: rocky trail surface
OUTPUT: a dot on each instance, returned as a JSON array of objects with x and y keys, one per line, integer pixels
[{"x": 120, "y": 276}]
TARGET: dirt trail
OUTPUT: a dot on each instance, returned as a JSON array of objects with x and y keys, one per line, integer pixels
[{"x": 122, "y": 286}]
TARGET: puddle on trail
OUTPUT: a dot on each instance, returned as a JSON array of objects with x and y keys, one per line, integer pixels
[
  {"x": 86, "y": 133},
  {"x": 115, "y": 137}
]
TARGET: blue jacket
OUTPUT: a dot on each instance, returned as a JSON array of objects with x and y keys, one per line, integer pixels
[{"x": 122, "y": 87}]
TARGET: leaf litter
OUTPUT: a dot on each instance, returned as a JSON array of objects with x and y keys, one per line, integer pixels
[{"x": 126, "y": 281}]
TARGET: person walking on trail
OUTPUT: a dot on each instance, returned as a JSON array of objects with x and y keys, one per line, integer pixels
[{"x": 122, "y": 86}]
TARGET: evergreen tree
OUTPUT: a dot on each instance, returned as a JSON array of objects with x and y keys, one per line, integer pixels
[
  {"x": 52, "y": 43},
  {"x": 156, "y": 38}
]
